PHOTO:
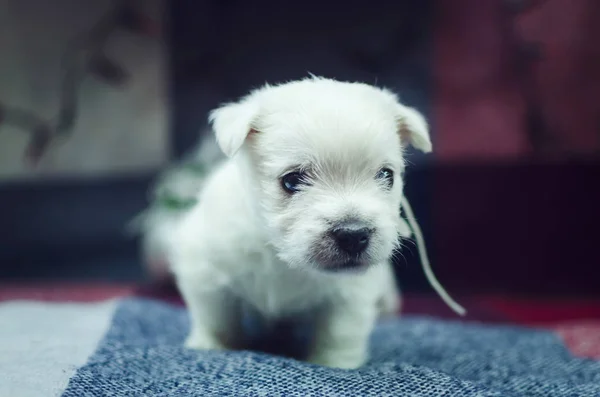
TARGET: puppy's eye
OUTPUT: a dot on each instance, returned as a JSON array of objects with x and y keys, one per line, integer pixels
[
  {"x": 293, "y": 182},
  {"x": 386, "y": 176}
]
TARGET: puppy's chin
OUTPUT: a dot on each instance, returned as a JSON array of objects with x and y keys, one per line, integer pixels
[{"x": 348, "y": 266}]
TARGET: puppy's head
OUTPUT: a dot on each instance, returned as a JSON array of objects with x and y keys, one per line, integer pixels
[{"x": 326, "y": 166}]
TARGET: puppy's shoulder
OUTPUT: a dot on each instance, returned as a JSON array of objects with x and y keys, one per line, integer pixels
[
  {"x": 223, "y": 217},
  {"x": 223, "y": 187}
]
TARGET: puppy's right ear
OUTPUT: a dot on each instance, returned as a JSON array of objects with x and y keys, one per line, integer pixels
[
  {"x": 232, "y": 124},
  {"x": 413, "y": 128}
]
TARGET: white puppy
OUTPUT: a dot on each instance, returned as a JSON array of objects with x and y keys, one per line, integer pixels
[{"x": 303, "y": 217}]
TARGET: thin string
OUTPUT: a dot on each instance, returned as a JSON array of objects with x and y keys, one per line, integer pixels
[{"x": 435, "y": 284}]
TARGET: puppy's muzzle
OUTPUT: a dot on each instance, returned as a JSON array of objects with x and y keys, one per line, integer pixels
[{"x": 352, "y": 238}]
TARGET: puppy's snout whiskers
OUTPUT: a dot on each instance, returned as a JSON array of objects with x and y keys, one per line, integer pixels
[{"x": 397, "y": 253}]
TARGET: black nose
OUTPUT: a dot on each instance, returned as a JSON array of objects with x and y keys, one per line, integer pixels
[{"x": 352, "y": 239}]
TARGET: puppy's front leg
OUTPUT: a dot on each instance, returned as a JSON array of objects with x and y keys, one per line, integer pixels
[
  {"x": 215, "y": 316},
  {"x": 342, "y": 334}
]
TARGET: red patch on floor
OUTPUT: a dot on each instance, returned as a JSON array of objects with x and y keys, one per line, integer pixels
[{"x": 582, "y": 338}]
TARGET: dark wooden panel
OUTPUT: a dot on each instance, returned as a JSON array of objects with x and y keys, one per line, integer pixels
[{"x": 527, "y": 228}]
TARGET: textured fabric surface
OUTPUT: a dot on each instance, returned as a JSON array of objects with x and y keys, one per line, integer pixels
[
  {"x": 142, "y": 355},
  {"x": 42, "y": 344}
]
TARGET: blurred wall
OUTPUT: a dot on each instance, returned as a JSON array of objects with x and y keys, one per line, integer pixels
[
  {"x": 516, "y": 79},
  {"x": 121, "y": 124}
]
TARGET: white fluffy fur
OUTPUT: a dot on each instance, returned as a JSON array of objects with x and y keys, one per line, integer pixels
[
  {"x": 183, "y": 181},
  {"x": 247, "y": 241}
]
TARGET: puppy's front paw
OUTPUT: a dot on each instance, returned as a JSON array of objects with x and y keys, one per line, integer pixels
[
  {"x": 338, "y": 359},
  {"x": 199, "y": 341}
]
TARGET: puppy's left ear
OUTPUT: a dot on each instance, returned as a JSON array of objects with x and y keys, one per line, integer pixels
[
  {"x": 413, "y": 128},
  {"x": 232, "y": 124}
]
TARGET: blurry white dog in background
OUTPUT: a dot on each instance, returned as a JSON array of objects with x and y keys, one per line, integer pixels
[{"x": 301, "y": 219}]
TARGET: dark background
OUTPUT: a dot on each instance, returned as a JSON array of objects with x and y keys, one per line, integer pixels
[{"x": 508, "y": 202}]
